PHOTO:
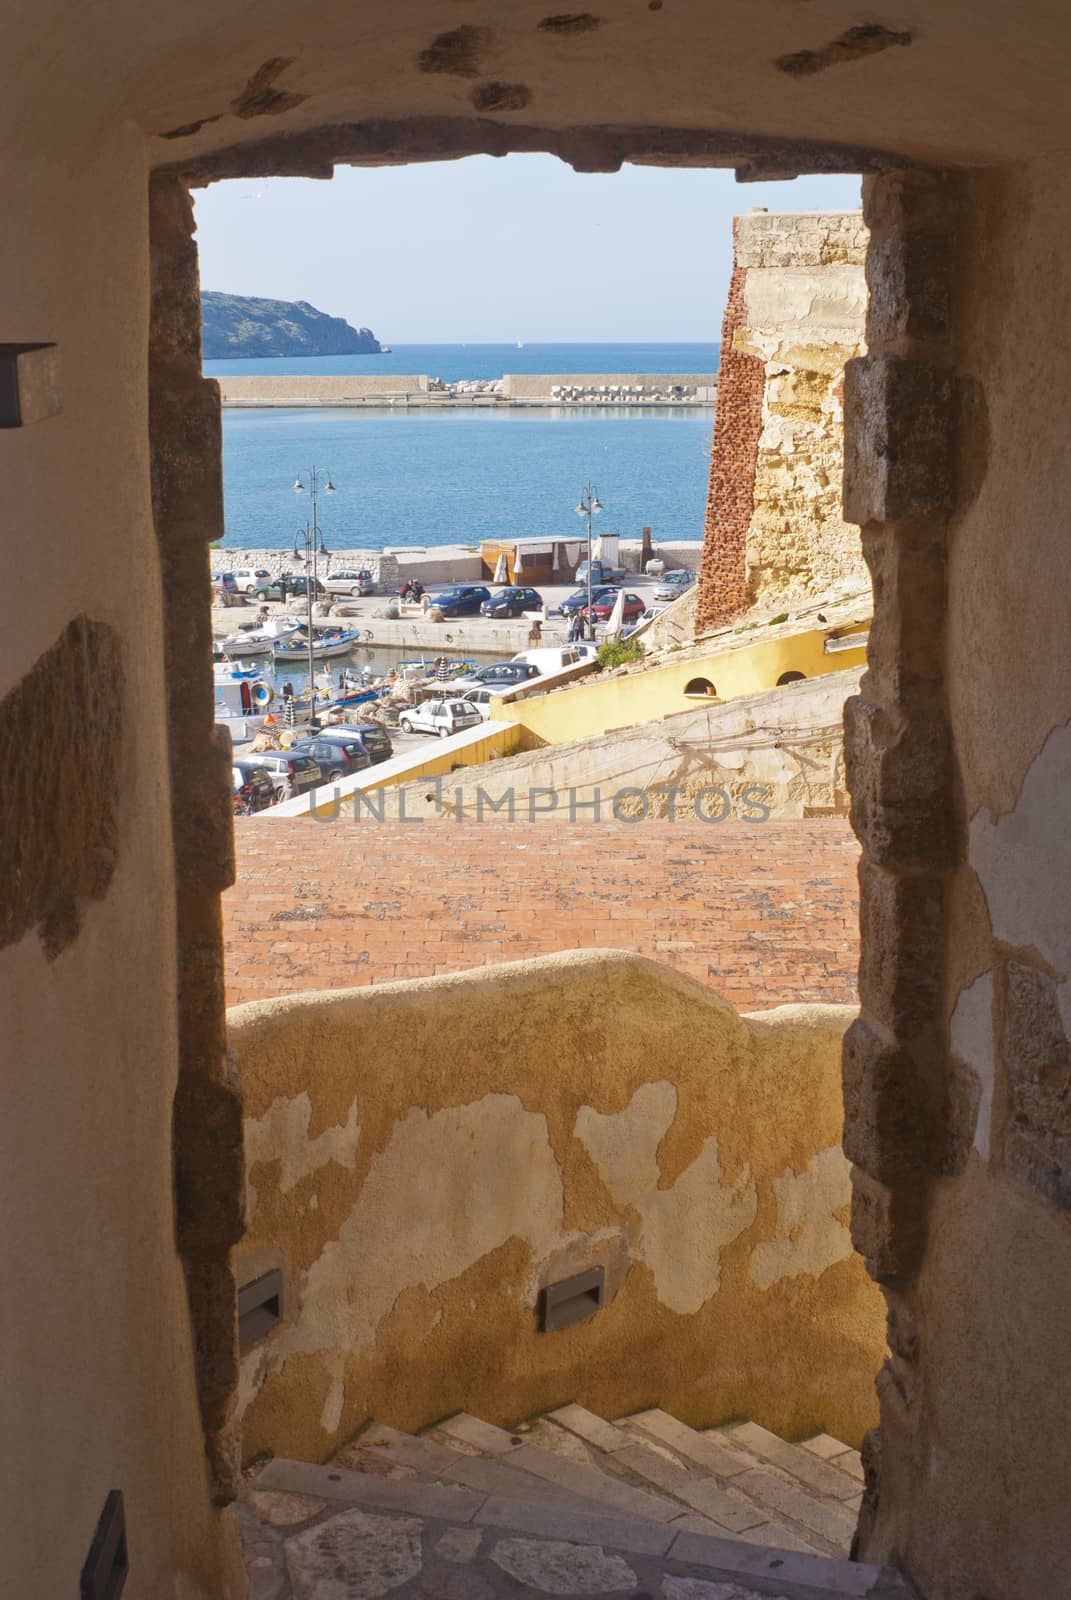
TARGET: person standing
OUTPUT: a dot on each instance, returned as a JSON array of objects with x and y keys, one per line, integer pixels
[{"x": 535, "y": 634}]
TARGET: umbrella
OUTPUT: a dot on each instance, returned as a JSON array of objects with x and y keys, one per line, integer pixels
[
  {"x": 502, "y": 569},
  {"x": 617, "y": 616}
]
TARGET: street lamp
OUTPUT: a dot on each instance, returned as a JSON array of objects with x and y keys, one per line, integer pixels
[
  {"x": 589, "y": 507},
  {"x": 311, "y": 536}
]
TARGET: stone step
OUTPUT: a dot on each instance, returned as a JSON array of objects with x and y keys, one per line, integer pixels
[
  {"x": 778, "y": 1493},
  {"x": 731, "y": 1512},
  {"x": 810, "y": 1469},
  {"x": 713, "y": 1454},
  {"x": 326, "y": 1498},
  {"x": 435, "y": 1461},
  {"x": 837, "y": 1454}
]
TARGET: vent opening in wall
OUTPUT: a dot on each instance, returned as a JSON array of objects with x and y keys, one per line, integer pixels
[
  {"x": 106, "y": 1566},
  {"x": 790, "y": 677},
  {"x": 571, "y": 1300},
  {"x": 260, "y": 1307},
  {"x": 700, "y": 686}
]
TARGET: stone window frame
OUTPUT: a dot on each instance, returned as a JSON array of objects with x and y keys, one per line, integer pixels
[{"x": 900, "y": 405}]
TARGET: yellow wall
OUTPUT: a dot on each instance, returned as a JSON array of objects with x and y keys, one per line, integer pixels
[
  {"x": 607, "y": 703},
  {"x": 419, "y": 1164},
  {"x": 440, "y": 758}
]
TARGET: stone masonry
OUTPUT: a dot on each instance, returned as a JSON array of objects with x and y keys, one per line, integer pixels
[{"x": 775, "y": 529}]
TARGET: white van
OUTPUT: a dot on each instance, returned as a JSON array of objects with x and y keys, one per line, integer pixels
[{"x": 555, "y": 658}]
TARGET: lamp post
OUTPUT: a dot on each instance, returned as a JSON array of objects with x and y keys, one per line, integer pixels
[
  {"x": 588, "y": 506},
  {"x": 312, "y": 536}
]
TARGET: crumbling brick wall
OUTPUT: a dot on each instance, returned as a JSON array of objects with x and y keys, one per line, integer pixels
[{"x": 775, "y": 530}]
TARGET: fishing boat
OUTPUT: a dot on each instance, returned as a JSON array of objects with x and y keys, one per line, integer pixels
[
  {"x": 242, "y": 702},
  {"x": 256, "y": 640},
  {"x": 337, "y": 642},
  {"x": 227, "y": 671}
]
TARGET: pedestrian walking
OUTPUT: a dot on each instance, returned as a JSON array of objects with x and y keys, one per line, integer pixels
[{"x": 535, "y": 634}]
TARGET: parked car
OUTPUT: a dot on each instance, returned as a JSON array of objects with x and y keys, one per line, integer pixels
[
  {"x": 350, "y": 580},
  {"x": 223, "y": 584},
  {"x": 672, "y": 585},
  {"x": 290, "y": 774},
  {"x": 253, "y": 788},
  {"x": 462, "y": 600},
  {"x": 579, "y": 600},
  {"x": 602, "y": 609},
  {"x": 371, "y": 736},
  {"x": 336, "y": 758},
  {"x": 443, "y": 717},
  {"x": 481, "y": 699},
  {"x": 601, "y": 573},
  {"x": 501, "y": 675},
  {"x": 247, "y": 578},
  {"x": 296, "y": 584},
  {"x": 511, "y": 602}
]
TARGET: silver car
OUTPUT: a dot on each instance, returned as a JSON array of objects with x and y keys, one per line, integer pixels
[
  {"x": 350, "y": 580},
  {"x": 673, "y": 584}
]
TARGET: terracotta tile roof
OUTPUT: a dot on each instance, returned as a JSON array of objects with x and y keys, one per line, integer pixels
[{"x": 765, "y": 913}]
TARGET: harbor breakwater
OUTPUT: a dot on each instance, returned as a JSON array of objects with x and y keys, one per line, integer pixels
[{"x": 620, "y": 390}]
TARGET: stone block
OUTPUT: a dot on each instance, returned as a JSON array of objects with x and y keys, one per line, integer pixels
[
  {"x": 899, "y": 771},
  {"x": 901, "y": 925},
  {"x": 910, "y": 280},
  {"x": 209, "y": 1164},
  {"x": 908, "y": 572},
  {"x": 898, "y": 436},
  {"x": 1036, "y": 1057},
  {"x": 887, "y": 1126},
  {"x": 888, "y": 1226},
  {"x": 912, "y": 199}
]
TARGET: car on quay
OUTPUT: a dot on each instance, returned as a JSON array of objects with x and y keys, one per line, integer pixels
[
  {"x": 336, "y": 758},
  {"x": 501, "y": 675},
  {"x": 253, "y": 788},
  {"x": 672, "y": 584},
  {"x": 247, "y": 578},
  {"x": 350, "y": 580},
  {"x": 223, "y": 584},
  {"x": 579, "y": 600},
  {"x": 296, "y": 584},
  {"x": 481, "y": 699},
  {"x": 460, "y": 600},
  {"x": 291, "y": 775},
  {"x": 602, "y": 609},
  {"x": 372, "y": 737},
  {"x": 441, "y": 717},
  {"x": 512, "y": 602}
]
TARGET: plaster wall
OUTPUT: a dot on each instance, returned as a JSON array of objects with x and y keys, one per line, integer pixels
[
  {"x": 422, "y": 1157},
  {"x": 974, "y": 1415},
  {"x": 95, "y": 1341}
]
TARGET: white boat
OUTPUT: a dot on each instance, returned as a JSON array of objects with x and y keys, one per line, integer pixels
[
  {"x": 339, "y": 642},
  {"x": 258, "y": 641},
  {"x": 241, "y": 702}
]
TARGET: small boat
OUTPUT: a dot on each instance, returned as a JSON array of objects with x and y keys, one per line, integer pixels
[
  {"x": 256, "y": 640},
  {"x": 338, "y": 642},
  {"x": 241, "y": 704},
  {"x": 227, "y": 671}
]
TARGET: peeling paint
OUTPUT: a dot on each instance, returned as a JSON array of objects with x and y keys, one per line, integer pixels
[
  {"x": 283, "y": 1135},
  {"x": 686, "y": 1227},
  {"x": 972, "y": 1042},
  {"x": 810, "y": 1236}
]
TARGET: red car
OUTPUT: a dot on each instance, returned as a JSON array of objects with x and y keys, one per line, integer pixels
[{"x": 634, "y": 607}]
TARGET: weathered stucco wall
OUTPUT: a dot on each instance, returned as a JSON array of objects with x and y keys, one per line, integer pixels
[
  {"x": 95, "y": 1339},
  {"x": 975, "y": 1453},
  {"x": 422, "y": 1157},
  {"x": 775, "y": 527}
]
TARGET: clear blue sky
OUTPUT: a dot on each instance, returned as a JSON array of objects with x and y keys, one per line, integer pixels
[{"x": 489, "y": 251}]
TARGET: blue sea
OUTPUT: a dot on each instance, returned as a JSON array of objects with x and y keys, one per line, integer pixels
[{"x": 460, "y": 475}]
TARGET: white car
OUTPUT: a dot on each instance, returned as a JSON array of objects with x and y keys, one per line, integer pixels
[
  {"x": 481, "y": 699},
  {"x": 443, "y": 717},
  {"x": 249, "y": 579},
  {"x": 349, "y": 580}
]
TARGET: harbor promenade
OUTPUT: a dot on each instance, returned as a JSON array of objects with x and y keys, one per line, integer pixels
[{"x": 623, "y": 391}]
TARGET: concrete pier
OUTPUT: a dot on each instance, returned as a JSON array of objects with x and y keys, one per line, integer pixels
[{"x": 417, "y": 391}]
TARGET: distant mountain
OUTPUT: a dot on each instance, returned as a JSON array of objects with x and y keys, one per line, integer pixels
[{"x": 239, "y": 325}]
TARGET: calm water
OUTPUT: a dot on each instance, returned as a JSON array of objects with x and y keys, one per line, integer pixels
[
  {"x": 459, "y": 476},
  {"x": 453, "y": 361}
]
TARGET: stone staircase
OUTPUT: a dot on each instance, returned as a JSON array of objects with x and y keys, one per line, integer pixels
[{"x": 645, "y": 1508}]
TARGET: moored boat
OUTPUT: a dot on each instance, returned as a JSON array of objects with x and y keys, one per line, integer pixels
[
  {"x": 258, "y": 640},
  {"x": 337, "y": 642}
]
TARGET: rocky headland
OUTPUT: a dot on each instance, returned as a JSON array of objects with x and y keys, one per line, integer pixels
[{"x": 242, "y": 325}]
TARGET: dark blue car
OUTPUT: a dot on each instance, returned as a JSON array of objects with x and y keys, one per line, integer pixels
[
  {"x": 511, "y": 602},
  {"x": 463, "y": 600}
]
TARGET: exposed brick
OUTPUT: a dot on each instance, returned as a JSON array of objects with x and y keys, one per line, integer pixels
[{"x": 766, "y": 916}]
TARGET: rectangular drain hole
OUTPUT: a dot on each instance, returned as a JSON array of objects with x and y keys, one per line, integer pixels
[
  {"x": 571, "y": 1300},
  {"x": 260, "y": 1307}
]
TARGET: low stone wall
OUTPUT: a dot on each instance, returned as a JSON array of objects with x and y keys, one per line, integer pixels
[
  {"x": 423, "y": 1157},
  {"x": 317, "y": 389}
]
